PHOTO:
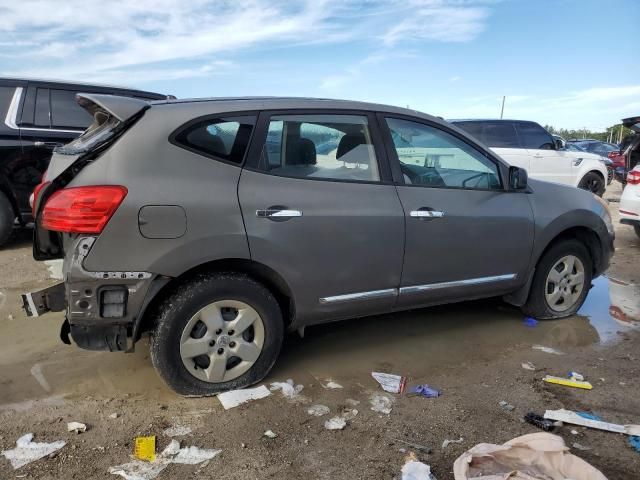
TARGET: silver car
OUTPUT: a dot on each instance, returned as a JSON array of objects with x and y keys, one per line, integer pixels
[{"x": 216, "y": 225}]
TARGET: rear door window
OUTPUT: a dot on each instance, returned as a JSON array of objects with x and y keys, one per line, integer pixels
[
  {"x": 42, "y": 117},
  {"x": 221, "y": 138},
  {"x": 492, "y": 134},
  {"x": 534, "y": 136},
  {"x": 65, "y": 111}
]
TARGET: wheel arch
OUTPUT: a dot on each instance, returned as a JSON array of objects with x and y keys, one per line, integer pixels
[{"x": 256, "y": 270}]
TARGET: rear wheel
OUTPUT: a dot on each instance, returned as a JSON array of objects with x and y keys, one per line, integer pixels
[
  {"x": 593, "y": 183},
  {"x": 561, "y": 281},
  {"x": 7, "y": 219},
  {"x": 216, "y": 332}
]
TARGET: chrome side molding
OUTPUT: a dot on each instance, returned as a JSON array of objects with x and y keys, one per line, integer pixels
[
  {"x": 349, "y": 297},
  {"x": 457, "y": 283}
]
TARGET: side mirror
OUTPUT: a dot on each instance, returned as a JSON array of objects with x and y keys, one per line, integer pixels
[
  {"x": 517, "y": 178},
  {"x": 558, "y": 144}
]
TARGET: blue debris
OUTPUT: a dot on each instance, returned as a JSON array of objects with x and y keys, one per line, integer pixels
[
  {"x": 589, "y": 416},
  {"x": 426, "y": 391},
  {"x": 530, "y": 322},
  {"x": 634, "y": 441}
]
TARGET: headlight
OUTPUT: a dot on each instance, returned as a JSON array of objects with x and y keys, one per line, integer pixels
[{"x": 606, "y": 216}]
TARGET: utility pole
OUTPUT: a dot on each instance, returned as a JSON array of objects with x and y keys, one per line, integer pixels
[
  {"x": 620, "y": 136},
  {"x": 502, "y": 109}
]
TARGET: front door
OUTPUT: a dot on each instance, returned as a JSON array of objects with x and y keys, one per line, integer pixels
[
  {"x": 466, "y": 236},
  {"x": 547, "y": 163},
  {"x": 320, "y": 210}
]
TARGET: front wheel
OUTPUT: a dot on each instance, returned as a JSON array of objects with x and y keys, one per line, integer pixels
[
  {"x": 593, "y": 182},
  {"x": 7, "y": 219},
  {"x": 561, "y": 281},
  {"x": 217, "y": 332}
]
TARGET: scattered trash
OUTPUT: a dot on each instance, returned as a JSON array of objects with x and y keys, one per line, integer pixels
[
  {"x": 36, "y": 371},
  {"x": 446, "y": 443},
  {"x": 530, "y": 322},
  {"x": 335, "y": 423},
  {"x": 148, "y": 470},
  {"x": 76, "y": 427},
  {"x": 574, "y": 432},
  {"x": 10, "y": 317},
  {"x": 567, "y": 382},
  {"x": 389, "y": 382},
  {"x": 270, "y": 434},
  {"x": 589, "y": 416},
  {"x": 289, "y": 389},
  {"x": 417, "y": 446},
  {"x": 506, "y": 406},
  {"x": 634, "y": 441},
  {"x": 176, "y": 431},
  {"x": 28, "y": 451},
  {"x": 114, "y": 415},
  {"x": 574, "y": 418},
  {"x": 145, "y": 448},
  {"x": 576, "y": 376},
  {"x": 234, "y": 398},
  {"x": 547, "y": 350},
  {"x": 425, "y": 391},
  {"x": 539, "y": 421},
  {"x": 413, "y": 469},
  {"x": 529, "y": 366},
  {"x": 381, "y": 403},
  {"x": 578, "y": 446},
  {"x": 331, "y": 385},
  {"x": 536, "y": 456},
  {"x": 352, "y": 402},
  {"x": 318, "y": 410},
  {"x": 349, "y": 414}
]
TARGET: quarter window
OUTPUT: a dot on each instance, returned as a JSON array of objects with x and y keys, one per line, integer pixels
[
  {"x": 224, "y": 138},
  {"x": 534, "y": 136},
  {"x": 335, "y": 147},
  {"x": 434, "y": 158},
  {"x": 41, "y": 117}
]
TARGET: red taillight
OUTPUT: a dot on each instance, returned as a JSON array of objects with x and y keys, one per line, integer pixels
[
  {"x": 34, "y": 199},
  {"x": 613, "y": 154},
  {"x": 82, "y": 209},
  {"x": 633, "y": 177}
]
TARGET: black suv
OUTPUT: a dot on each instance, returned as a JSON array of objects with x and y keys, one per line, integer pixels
[{"x": 36, "y": 116}]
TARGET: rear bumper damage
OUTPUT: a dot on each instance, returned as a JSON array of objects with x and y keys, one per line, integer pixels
[{"x": 102, "y": 308}]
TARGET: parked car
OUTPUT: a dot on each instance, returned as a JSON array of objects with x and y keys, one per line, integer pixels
[
  {"x": 629, "y": 155},
  {"x": 527, "y": 145},
  {"x": 216, "y": 250},
  {"x": 38, "y": 115},
  {"x": 596, "y": 146},
  {"x": 581, "y": 153},
  {"x": 630, "y": 200}
]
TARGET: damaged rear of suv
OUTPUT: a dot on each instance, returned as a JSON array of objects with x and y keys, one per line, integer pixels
[{"x": 216, "y": 225}]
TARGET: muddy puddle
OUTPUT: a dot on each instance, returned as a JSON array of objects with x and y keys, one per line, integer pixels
[{"x": 34, "y": 365}]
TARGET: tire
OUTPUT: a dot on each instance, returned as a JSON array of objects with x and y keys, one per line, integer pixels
[
  {"x": 636, "y": 227},
  {"x": 7, "y": 218},
  {"x": 593, "y": 182},
  {"x": 219, "y": 299},
  {"x": 542, "y": 288}
]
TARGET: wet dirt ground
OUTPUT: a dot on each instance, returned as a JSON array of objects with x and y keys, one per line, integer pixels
[{"x": 473, "y": 352}]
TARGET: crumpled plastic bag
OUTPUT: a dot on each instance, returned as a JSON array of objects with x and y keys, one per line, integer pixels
[{"x": 536, "y": 456}]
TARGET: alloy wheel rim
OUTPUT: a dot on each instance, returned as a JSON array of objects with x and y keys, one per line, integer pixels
[
  {"x": 222, "y": 341},
  {"x": 565, "y": 283}
]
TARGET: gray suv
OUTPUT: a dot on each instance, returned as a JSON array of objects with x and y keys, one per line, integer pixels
[{"x": 215, "y": 225}]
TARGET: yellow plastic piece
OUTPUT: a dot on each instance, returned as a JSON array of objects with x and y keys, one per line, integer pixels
[
  {"x": 145, "y": 448},
  {"x": 568, "y": 382}
]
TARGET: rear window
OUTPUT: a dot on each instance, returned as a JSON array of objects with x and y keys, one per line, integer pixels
[
  {"x": 492, "y": 134},
  {"x": 6, "y": 95},
  {"x": 65, "y": 111},
  {"x": 224, "y": 138}
]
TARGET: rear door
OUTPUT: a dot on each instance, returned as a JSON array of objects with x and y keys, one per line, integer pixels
[
  {"x": 466, "y": 235},
  {"x": 320, "y": 210},
  {"x": 50, "y": 118},
  {"x": 502, "y": 137},
  {"x": 547, "y": 163}
]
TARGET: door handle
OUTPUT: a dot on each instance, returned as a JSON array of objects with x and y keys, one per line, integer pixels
[
  {"x": 48, "y": 144},
  {"x": 426, "y": 214},
  {"x": 278, "y": 213},
  {"x": 537, "y": 155}
]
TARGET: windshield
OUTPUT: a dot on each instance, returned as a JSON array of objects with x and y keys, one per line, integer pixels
[{"x": 101, "y": 130}]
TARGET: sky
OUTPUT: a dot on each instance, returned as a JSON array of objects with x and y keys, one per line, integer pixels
[{"x": 566, "y": 63}]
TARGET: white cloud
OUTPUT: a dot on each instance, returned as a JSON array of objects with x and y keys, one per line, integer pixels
[{"x": 94, "y": 39}]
